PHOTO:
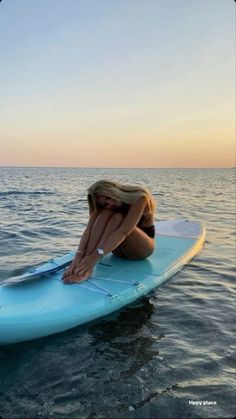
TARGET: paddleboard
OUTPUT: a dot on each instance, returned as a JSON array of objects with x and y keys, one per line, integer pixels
[{"x": 38, "y": 303}]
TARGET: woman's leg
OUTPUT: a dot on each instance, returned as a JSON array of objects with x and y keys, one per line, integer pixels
[
  {"x": 112, "y": 225},
  {"x": 97, "y": 230},
  {"x": 104, "y": 225},
  {"x": 137, "y": 245}
]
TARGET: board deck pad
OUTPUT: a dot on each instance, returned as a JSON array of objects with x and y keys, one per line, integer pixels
[{"x": 38, "y": 303}]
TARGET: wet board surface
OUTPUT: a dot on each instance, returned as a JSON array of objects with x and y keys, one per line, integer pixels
[{"x": 38, "y": 303}]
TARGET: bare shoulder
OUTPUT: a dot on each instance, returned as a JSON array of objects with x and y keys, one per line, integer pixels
[
  {"x": 133, "y": 216},
  {"x": 142, "y": 204},
  {"x": 138, "y": 205},
  {"x": 140, "y": 201}
]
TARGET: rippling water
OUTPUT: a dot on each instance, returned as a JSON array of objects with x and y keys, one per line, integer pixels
[{"x": 170, "y": 355}]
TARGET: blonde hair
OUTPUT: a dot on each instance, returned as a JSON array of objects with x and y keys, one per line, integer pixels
[{"x": 128, "y": 194}]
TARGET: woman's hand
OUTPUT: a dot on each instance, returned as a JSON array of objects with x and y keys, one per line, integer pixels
[
  {"x": 83, "y": 270},
  {"x": 87, "y": 264},
  {"x": 72, "y": 267}
]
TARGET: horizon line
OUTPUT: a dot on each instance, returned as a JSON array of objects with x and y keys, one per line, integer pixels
[{"x": 114, "y": 167}]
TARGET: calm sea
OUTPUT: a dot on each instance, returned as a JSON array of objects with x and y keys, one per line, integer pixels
[{"x": 170, "y": 355}]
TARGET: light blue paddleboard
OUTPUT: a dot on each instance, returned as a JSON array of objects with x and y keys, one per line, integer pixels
[{"x": 38, "y": 303}]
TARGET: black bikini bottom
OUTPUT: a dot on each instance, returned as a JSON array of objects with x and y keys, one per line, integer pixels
[{"x": 150, "y": 231}]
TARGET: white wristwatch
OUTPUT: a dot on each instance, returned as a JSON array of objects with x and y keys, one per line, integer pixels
[{"x": 100, "y": 252}]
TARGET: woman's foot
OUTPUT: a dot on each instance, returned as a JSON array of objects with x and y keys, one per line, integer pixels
[{"x": 77, "y": 278}]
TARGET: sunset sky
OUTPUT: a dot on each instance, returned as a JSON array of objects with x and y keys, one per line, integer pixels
[{"x": 117, "y": 83}]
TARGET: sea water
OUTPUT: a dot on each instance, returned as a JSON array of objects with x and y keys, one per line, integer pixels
[{"x": 169, "y": 355}]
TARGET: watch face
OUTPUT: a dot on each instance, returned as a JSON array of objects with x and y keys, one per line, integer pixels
[{"x": 100, "y": 251}]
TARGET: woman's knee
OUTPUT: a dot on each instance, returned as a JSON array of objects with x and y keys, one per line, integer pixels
[
  {"x": 104, "y": 215},
  {"x": 113, "y": 223},
  {"x": 110, "y": 217},
  {"x": 117, "y": 218}
]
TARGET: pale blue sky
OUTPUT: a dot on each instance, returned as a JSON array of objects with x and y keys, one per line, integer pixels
[{"x": 139, "y": 83}]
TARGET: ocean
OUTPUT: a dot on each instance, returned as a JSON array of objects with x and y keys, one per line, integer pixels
[{"x": 169, "y": 355}]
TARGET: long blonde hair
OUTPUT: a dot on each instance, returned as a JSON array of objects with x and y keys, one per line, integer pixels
[{"x": 128, "y": 194}]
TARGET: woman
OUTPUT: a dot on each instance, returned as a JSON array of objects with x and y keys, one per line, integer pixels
[{"x": 121, "y": 221}]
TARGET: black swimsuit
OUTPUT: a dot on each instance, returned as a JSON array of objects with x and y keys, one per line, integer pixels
[{"x": 149, "y": 230}]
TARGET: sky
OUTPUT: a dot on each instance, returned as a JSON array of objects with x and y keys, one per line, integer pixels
[{"x": 121, "y": 83}]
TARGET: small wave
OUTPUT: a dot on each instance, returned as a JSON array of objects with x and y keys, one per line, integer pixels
[{"x": 34, "y": 193}]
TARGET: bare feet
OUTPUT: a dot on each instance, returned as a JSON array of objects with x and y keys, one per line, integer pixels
[{"x": 77, "y": 278}]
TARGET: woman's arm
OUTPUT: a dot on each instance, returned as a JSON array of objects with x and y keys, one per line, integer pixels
[
  {"x": 86, "y": 234},
  {"x": 81, "y": 248},
  {"x": 130, "y": 221}
]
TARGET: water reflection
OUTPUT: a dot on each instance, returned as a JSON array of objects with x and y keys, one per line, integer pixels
[{"x": 128, "y": 336}]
